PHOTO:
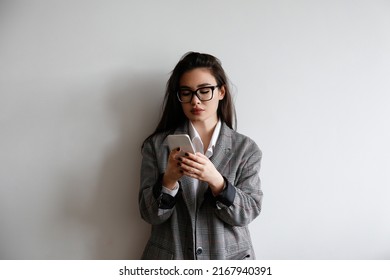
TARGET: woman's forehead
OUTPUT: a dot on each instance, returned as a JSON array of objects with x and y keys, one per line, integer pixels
[{"x": 197, "y": 77}]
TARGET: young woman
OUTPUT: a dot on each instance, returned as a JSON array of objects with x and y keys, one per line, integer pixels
[{"x": 199, "y": 205}]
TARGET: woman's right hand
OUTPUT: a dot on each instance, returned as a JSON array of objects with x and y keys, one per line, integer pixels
[{"x": 173, "y": 172}]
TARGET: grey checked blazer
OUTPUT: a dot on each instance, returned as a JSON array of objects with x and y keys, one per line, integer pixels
[{"x": 195, "y": 224}]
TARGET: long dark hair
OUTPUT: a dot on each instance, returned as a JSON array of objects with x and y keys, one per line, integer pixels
[{"x": 173, "y": 115}]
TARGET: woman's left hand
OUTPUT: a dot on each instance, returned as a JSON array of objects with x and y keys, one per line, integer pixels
[{"x": 198, "y": 166}]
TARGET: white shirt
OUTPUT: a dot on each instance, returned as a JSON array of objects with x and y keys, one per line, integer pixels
[
  {"x": 197, "y": 141},
  {"x": 199, "y": 148}
]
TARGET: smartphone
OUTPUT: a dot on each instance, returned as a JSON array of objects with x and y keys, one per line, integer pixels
[{"x": 183, "y": 141}]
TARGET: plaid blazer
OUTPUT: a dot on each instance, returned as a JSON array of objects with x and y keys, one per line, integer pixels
[{"x": 195, "y": 224}]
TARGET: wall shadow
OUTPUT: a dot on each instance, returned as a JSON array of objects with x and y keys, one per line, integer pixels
[{"x": 134, "y": 102}]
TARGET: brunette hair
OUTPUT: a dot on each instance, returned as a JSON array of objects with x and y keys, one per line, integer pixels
[{"x": 173, "y": 115}]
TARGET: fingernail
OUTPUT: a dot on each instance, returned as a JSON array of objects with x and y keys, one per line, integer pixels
[
  {"x": 181, "y": 171},
  {"x": 180, "y": 159},
  {"x": 178, "y": 164},
  {"x": 187, "y": 154},
  {"x": 178, "y": 149}
]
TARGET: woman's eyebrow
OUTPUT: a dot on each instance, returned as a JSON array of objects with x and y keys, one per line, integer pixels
[
  {"x": 198, "y": 86},
  {"x": 204, "y": 85}
]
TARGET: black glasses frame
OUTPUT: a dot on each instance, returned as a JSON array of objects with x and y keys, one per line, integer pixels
[{"x": 196, "y": 92}]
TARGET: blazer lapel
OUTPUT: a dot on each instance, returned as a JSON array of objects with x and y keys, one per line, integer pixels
[{"x": 223, "y": 149}]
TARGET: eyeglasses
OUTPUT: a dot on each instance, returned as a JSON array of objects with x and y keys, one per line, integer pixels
[{"x": 185, "y": 95}]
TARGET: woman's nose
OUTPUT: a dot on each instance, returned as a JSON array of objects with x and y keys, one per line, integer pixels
[{"x": 195, "y": 99}]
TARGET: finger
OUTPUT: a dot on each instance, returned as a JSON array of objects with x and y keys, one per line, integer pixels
[
  {"x": 191, "y": 163},
  {"x": 198, "y": 157},
  {"x": 190, "y": 155},
  {"x": 191, "y": 169},
  {"x": 202, "y": 158},
  {"x": 191, "y": 173},
  {"x": 174, "y": 153}
]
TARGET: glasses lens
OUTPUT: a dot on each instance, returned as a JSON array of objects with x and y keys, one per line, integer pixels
[
  {"x": 205, "y": 94},
  {"x": 185, "y": 95}
]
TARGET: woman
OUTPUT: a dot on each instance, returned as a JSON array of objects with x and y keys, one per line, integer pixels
[{"x": 199, "y": 205}]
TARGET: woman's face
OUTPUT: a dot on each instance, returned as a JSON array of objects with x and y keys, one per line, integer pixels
[{"x": 197, "y": 110}]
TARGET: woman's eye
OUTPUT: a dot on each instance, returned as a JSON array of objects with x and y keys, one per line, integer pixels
[
  {"x": 185, "y": 93},
  {"x": 204, "y": 90}
]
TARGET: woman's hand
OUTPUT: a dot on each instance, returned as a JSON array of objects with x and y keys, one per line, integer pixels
[
  {"x": 173, "y": 171},
  {"x": 198, "y": 166}
]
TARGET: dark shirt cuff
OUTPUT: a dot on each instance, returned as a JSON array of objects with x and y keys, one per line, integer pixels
[
  {"x": 226, "y": 197},
  {"x": 164, "y": 200}
]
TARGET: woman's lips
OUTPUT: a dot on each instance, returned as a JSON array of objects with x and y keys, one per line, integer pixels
[{"x": 197, "y": 111}]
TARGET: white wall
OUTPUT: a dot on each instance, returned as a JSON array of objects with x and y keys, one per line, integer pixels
[{"x": 81, "y": 83}]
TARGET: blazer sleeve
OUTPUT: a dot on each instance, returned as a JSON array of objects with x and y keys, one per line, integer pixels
[
  {"x": 247, "y": 200},
  {"x": 155, "y": 206}
]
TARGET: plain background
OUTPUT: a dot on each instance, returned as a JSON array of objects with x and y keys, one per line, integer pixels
[{"x": 81, "y": 85}]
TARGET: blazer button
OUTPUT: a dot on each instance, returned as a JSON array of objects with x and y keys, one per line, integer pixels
[{"x": 199, "y": 250}]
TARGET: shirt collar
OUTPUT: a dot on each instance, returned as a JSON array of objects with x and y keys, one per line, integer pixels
[{"x": 197, "y": 141}]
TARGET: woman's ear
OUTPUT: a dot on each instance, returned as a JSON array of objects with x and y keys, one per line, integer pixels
[{"x": 221, "y": 93}]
